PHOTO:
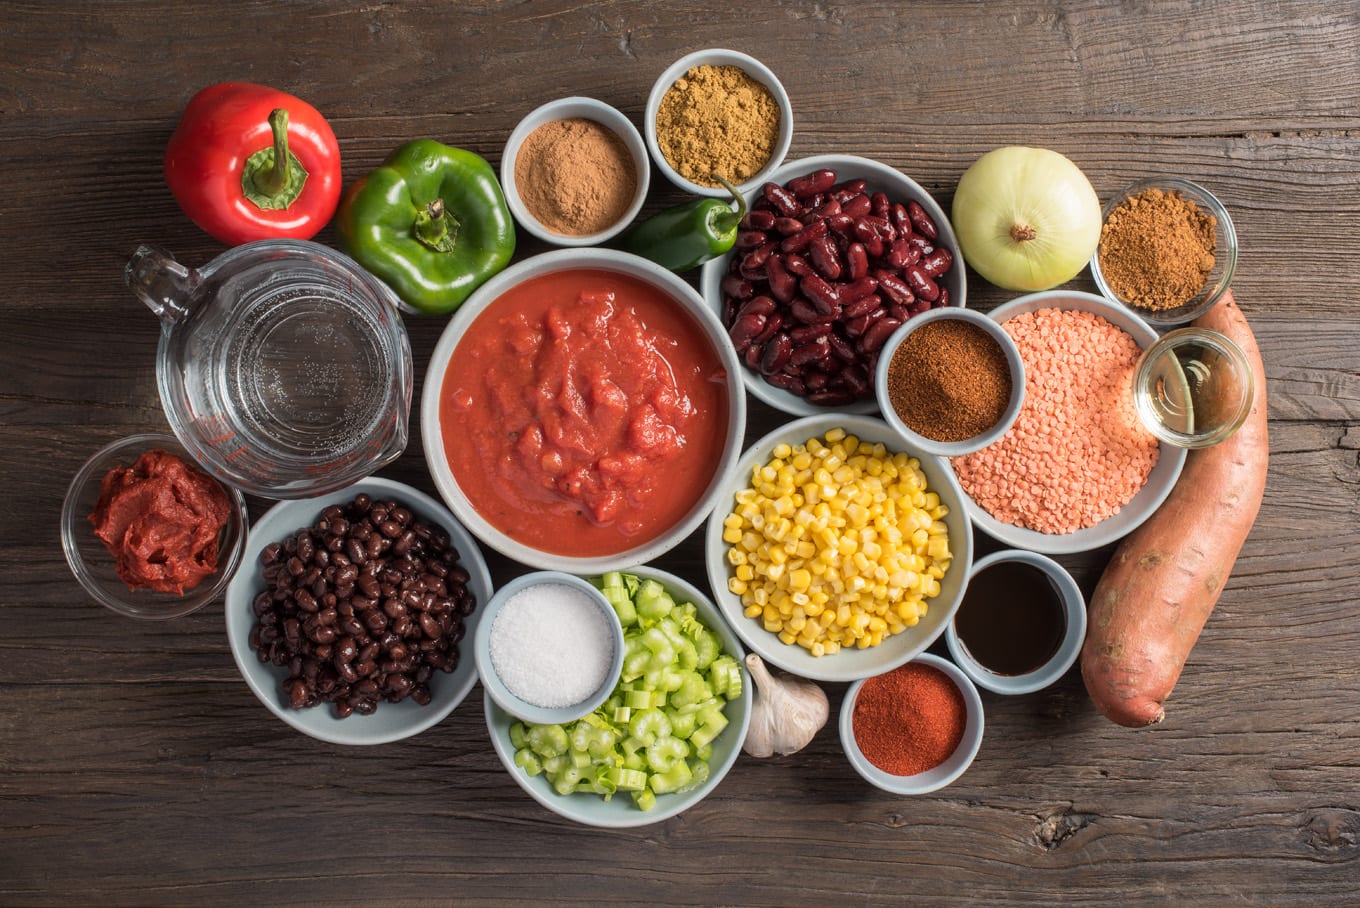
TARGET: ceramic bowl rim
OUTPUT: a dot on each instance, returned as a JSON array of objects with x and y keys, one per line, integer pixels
[
  {"x": 1014, "y": 363},
  {"x": 719, "y": 56},
  {"x": 932, "y": 779},
  {"x": 1074, "y": 608},
  {"x": 576, "y": 106}
]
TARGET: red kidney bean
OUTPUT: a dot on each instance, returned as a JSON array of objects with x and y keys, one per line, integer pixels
[
  {"x": 750, "y": 239},
  {"x": 857, "y": 206},
  {"x": 873, "y": 247},
  {"x": 820, "y": 293},
  {"x": 799, "y": 241},
  {"x": 758, "y": 219},
  {"x": 856, "y": 326},
  {"x": 921, "y": 284},
  {"x": 937, "y": 263},
  {"x": 776, "y": 354},
  {"x": 790, "y": 383},
  {"x": 841, "y": 349},
  {"x": 782, "y": 284},
  {"x": 828, "y": 209},
  {"x": 848, "y": 190},
  {"x": 894, "y": 288},
  {"x": 924, "y": 245},
  {"x": 832, "y": 397},
  {"x": 752, "y": 266},
  {"x": 806, "y": 313},
  {"x": 856, "y": 379},
  {"x": 773, "y": 323},
  {"x": 731, "y": 285},
  {"x": 921, "y": 222},
  {"x": 744, "y": 331},
  {"x": 798, "y": 265},
  {"x": 902, "y": 253},
  {"x": 751, "y": 357},
  {"x": 816, "y": 182},
  {"x": 902, "y": 313},
  {"x": 787, "y": 226},
  {"x": 942, "y": 299},
  {"x": 880, "y": 204},
  {"x": 873, "y": 338},
  {"x": 784, "y": 202},
  {"x": 757, "y": 305},
  {"x": 806, "y": 354},
  {"x": 855, "y": 290},
  {"x": 901, "y": 219},
  {"x": 841, "y": 224},
  {"x": 825, "y": 257},
  {"x": 862, "y": 306},
  {"x": 804, "y": 334},
  {"x": 815, "y": 379},
  {"x": 856, "y": 261}
]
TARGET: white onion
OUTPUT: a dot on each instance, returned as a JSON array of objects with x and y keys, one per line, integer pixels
[{"x": 1026, "y": 218}]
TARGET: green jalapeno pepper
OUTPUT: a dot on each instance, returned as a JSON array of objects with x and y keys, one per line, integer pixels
[
  {"x": 689, "y": 234},
  {"x": 431, "y": 222}
]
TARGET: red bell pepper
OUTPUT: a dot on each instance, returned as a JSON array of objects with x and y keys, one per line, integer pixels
[{"x": 247, "y": 162}]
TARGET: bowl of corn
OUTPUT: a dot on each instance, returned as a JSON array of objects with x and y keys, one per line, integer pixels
[{"x": 839, "y": 551}]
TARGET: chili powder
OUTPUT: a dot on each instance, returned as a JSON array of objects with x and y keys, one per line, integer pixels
[
  {"x": 909, "y": 720},
  {"x": 949, "y": 381}
]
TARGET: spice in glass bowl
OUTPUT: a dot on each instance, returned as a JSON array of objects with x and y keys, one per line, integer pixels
[{"x": 1157, "y": 249}]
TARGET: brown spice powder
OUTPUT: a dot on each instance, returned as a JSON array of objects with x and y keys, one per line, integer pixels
[
  {"x": 1157, "y": 249},
  {"x": 949, "y": 380},
  {"x": 717, "y": 119},
  {"x": 575, "y": 176}
]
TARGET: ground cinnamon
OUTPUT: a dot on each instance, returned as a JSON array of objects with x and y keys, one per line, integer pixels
[
  {"x": 949, "y": 380},
  {"x": 575, "y": 176},
  {"x": 717, "y": 119},
  {"x": 1157, "y": 249}
]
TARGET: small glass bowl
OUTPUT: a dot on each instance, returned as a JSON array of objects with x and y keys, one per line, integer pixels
[
  {"x": 571, "y": 109},
  {"x": 932, "y": 779},
  {"x": 1225, "y": 253},
  {"x": 497, "y": 689},
  {"x": 753, "y": 68},
  {"x": 1014, "y": 363},
  {"x": 1193, "y": 388},
  {"x": 95, "y": 568}
]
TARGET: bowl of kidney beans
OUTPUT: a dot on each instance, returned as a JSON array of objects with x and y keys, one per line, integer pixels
[
  {"x": 349, "y": 614},
  {"x": 835, "y": 253}
]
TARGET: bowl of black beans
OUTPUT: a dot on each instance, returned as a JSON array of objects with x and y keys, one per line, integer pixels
[{"x": 353, "y": 613}]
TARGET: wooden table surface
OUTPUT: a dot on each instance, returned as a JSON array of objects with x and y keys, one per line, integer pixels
[{"x": 136, "y": 767}]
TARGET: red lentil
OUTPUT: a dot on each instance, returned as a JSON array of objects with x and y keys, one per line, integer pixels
[{"x": 1077, "y": 452}]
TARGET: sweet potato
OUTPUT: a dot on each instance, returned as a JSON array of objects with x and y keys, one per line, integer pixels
[{"x": 1164, "y": 579}]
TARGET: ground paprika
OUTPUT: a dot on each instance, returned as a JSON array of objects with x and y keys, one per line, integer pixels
[{"x": 909, "y": 720}]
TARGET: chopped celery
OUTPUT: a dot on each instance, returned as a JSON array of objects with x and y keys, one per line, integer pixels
[{"x": 655, "y": 733}]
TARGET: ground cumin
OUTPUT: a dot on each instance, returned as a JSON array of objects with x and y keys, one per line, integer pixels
[
  {"x": 949, "y": 381},
  {"x": 575, "y": 176},
  {"x": 1157, "y": 249},
  {"x": 717, "y": 119}
]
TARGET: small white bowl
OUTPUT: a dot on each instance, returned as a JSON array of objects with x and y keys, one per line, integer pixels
[
  {"x": 846, "y": 664},
  {"x": 685, "y": 298},
  {"x": 571, "y": 109},
  {"x": 951, "y": 448},
  {"x": 878, "y": 177},
  {"x": 719, "y": 57},
  {"x": 932, "y": 779},
  {"x": 391, "y": 721},
  {"x": 1070, "y": 601},
  {"x": 1159, "y": 482},
  {"x": 96, "y": 569},
  {"x": 620, "y": 812},
  {"x": 507, "y": 699}
]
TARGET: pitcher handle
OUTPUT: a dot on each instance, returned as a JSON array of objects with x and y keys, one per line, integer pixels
[{"x": 161, "y": 282}]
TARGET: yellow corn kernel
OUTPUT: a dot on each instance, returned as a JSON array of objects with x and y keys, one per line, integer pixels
[
  {"x": 732, "y": 535},
  {"x": 753, "y": 611},
  {"x": 736, "y": 557},
  {"x": 736, "y": 587},
  {"x": 800, "y": 579},
  {"x": 745, "y": 572}
]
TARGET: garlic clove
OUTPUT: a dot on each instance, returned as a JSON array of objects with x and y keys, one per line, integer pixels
[{"x": 786, "y": 711}]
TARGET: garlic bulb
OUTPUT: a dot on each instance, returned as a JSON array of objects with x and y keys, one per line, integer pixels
[{"x": 786, "y": 712}]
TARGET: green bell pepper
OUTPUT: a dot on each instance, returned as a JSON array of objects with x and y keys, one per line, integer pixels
[
  {"x": 431, "y": 222},
  {"x": 689, "y": 234}
]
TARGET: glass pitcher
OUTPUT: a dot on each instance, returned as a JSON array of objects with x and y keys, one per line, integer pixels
[{"x": 283, "y": 366}]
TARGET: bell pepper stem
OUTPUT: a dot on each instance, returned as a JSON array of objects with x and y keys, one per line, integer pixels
[
  {"x": 436, "y": 228},
  {"x": 273, "y": 177}
]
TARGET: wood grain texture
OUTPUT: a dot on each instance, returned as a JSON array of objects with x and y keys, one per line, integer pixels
[{"x": 136, "y": 768}]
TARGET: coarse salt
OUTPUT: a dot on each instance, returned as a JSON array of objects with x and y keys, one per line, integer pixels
[{"x": 551, "y": 645}]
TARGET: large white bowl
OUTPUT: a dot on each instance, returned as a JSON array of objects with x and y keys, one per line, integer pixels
[
  {"x": 1159, "y": 482},
  {"x": 391, "y": 721},
  {"x": 620, "y": 812},
  {"x": 562, "y": 260},
  {"x": 879, "y": 177},
  {"x": 847, "y": 664}
]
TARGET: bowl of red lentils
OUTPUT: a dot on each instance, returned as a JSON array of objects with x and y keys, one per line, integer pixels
[
  {"x": 1167, "y": 250},
  {"x": 1077, "y": 469},
  {"x": 950, "y": 381},
  {"x": 718, "y": 111},
  {"x": 915, "y": 729},
  {"x": 838, "y": 551}
]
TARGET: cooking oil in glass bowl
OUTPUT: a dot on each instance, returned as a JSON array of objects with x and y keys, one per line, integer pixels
[{"x": 1193, "y": 388}]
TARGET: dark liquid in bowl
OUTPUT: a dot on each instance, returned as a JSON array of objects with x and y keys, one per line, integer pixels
[{"x": 1012, "y": 619}]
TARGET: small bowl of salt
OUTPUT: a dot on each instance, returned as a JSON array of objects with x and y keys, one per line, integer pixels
[{"x": 549, "y": 648}]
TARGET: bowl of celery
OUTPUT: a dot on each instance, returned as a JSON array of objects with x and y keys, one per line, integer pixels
[{"x": 665, "y": 737}]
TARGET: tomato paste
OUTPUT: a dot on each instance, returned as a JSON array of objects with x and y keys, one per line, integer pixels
[
  {"x": 584, "y": 412},
  {"x": 161, "y": 520}
]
